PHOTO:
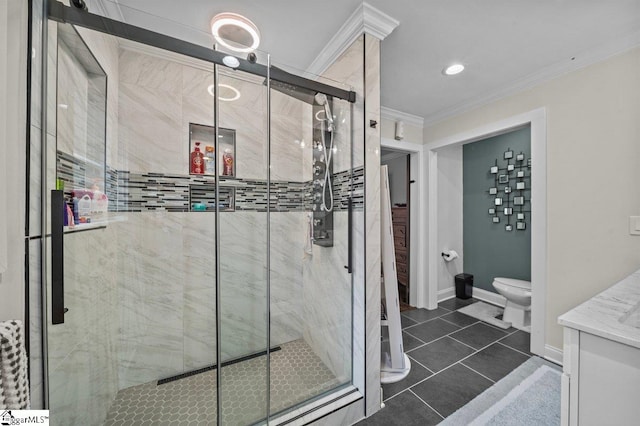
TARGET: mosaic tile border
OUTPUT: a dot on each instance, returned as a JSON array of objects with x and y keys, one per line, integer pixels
[{"x": 141, "y": 192}]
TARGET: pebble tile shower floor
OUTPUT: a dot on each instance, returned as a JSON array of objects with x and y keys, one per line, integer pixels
[
  {"x": 454, "y": 358},
  {"x": 297, "y": 374}
]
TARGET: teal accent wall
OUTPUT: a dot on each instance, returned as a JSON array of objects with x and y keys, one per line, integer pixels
[{"x": 489, "y": 250}]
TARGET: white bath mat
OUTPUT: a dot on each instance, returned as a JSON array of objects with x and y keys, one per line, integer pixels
[{"x": 487, "y": 313}]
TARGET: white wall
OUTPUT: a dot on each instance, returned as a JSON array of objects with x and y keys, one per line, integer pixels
[
  {"x": 592, "y": 162},
  {"x": 411, "y": 133},
  {"x": 449, "y": 216},
  {"x": 13, "y": 71},
  {"x": 397, "y": 179}
]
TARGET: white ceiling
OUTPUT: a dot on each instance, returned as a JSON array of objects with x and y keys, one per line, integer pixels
[{"x": 506, "y": 45}]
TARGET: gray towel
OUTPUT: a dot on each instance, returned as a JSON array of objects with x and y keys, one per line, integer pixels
[{"x": 14, "y": 384}]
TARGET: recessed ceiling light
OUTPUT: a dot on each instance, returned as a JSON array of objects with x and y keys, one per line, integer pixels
[
  {"x": 453, "y": 69},
  {"x": 231, "y": 61},
  {"x": 235, "y": 93},
  {"x": 235, "y": 32}
]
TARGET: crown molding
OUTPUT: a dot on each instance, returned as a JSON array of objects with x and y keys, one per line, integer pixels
[
  {"x": 582, "y": 60},
  {"x": 377, "y": 23},
  {"x": 366, "y": 19},
  {"x": 395, "y": 115}
]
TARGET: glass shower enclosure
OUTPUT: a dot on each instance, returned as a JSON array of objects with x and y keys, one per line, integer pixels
[{"x": 199, "y": 266}]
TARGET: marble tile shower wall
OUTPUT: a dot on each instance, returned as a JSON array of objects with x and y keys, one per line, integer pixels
[
  {"x": 168, "y": 274},
  {"x": 83, "y": 351},
  {"x": 160, "y": 308},
  {"x": 328, "y": 303},
  {"x": 167, "y": 317}
]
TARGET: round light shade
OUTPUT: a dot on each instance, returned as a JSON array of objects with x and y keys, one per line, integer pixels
[
  {"x": 227, "y": 93},
  {"x": 235, "y": 32},
  {"x": 231, "y": 61},
  {"x": 453, "y": 69}
]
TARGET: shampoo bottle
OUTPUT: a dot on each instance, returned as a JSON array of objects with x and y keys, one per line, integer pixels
[
  {"x": 227, "y": 160},
  {"x": 210, "y": 159},
  {"x": 84, "y": 209},
  {"x": 197, "y": 161}
]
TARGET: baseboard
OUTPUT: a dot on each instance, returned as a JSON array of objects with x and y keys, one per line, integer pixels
[
  {"x": 553, "y": 354},
  {"x": 489, "y": 297},
  {"x": 447, "y": 293}
]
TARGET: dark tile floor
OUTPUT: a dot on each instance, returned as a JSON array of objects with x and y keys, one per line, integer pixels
[{"x": 454, "y": 358}]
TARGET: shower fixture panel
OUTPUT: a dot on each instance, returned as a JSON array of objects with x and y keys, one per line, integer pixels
[{"x": 322, "y": 202}]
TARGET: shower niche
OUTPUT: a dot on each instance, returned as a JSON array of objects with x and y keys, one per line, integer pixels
[
  {"x": 322, "y": 202},
  {"x": 202, "y": 140},
  {"x": 80, "y": 129}
]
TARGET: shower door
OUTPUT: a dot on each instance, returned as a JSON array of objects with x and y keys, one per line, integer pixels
[
  {"x": 285, "y": 293},
  {"x": 310, "y": 277},
  {"x": 222, "y": 293},
  {"x": 131, "y": 301},
  {"x": 243, "y": 232}
]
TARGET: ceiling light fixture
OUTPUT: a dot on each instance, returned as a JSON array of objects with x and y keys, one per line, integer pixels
[
  {"x": 234, "y": 97},
  {"x": 453, "y": 69},
  {"x": 235, "y": 32}
]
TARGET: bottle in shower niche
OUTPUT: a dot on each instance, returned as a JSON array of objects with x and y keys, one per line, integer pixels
[
  {"x": 227, "y": 163},
  {"x": 197, "y": 161},
  {"x": 210, "y": 159},
  {"x": 84, "y": 209}
]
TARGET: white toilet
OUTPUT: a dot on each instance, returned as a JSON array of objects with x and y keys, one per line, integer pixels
[{"x": 518, "y": 308}]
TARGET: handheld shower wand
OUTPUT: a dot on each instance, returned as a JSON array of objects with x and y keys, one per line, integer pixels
[{"x": 321, "y": 99}]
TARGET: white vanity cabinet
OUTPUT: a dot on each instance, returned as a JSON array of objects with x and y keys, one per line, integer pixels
[
  {"x": 601, "y": 358},
  {"x": 600, "y": 381}
]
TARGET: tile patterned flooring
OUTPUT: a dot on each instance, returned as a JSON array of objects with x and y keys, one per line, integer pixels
[
  {"x": 297, "y": 374},
  {"x": 454, "y": 358}
]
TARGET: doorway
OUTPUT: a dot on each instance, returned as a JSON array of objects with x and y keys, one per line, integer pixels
[
  {"x": 399, "y": 166},
  {"x": 536, "y": 119}
]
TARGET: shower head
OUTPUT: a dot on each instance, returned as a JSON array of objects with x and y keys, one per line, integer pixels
[{"x": 322, "y": 100}]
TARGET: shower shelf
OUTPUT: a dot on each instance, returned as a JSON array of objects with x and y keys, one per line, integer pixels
[
  {"x": 205, "y": 195},
  {"x": 85, "y": 227}
]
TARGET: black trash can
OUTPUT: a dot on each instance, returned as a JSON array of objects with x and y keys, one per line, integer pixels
[{"x": 464, "y": 286}]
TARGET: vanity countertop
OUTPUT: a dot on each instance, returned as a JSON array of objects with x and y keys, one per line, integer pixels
[{"x": 613, "y": 314}]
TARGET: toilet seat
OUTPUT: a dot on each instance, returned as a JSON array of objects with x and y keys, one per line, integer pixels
[{"x": 512, "y": 282}]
